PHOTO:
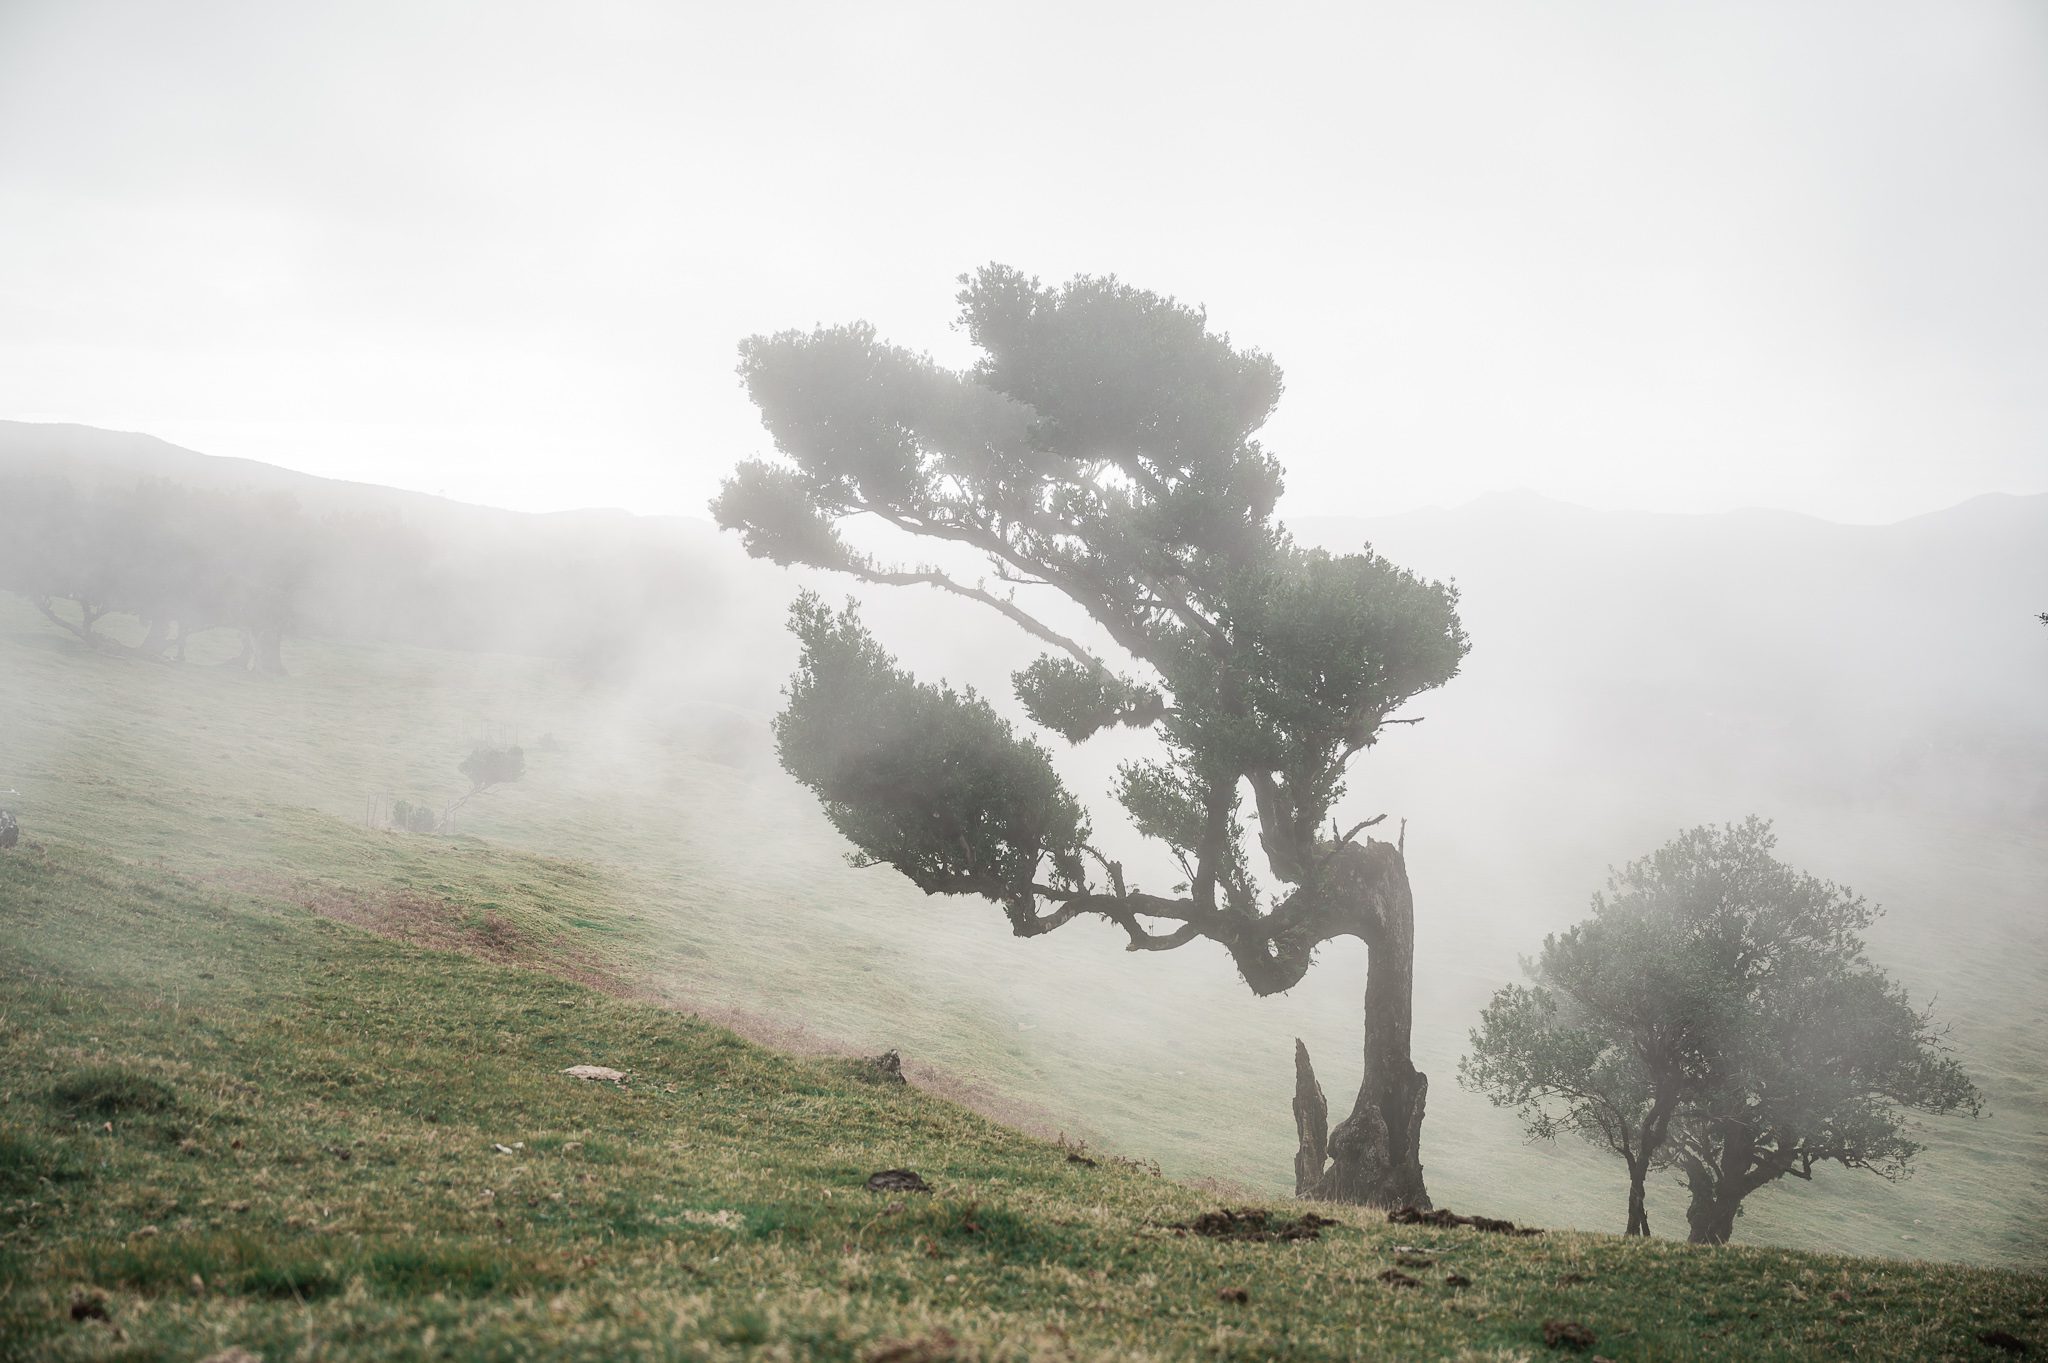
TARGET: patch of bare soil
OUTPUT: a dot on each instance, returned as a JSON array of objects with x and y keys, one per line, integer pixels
[
  {"x": 1254, "y": 1224},
  {"x": 939, "y": 1346},
  {"x": 429, "y": 921},
  {"x": 1567, "y": 1334},
  {"x": 1444, "y": 1216},
  {"x": 425, "y": 920}
]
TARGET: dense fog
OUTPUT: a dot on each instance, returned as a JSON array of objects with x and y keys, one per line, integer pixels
[
  {"x": 1867, "y": 687},
  {"x": 370, "y": 381}
]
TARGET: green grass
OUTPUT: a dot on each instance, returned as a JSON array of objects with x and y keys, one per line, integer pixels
[
  {"x": 232, "y": 1121},
  {"x": 637, "y": 855}
]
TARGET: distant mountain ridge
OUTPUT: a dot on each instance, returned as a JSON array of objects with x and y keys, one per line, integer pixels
[
  {"x": 415, "y": 568},
  {"x": 89, "y": 452},
  {"x": 1761, "y": 648},
  {"x": 77, "y": 448}
]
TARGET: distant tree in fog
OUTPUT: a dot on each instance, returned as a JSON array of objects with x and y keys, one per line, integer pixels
[
  {"x": 408, "y": 817},
  {"x": 1717, "y": 1014},
  {"x": 47, "y": 548},
  {"x": 486, "y": 766},
  {"x": 180, "y": 560},
  {"x": 1102, "y": 450},
  {"x": 489, "y": 766}
]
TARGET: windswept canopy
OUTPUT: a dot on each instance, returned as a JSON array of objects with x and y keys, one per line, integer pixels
[{"x": 1102, "y": 449}]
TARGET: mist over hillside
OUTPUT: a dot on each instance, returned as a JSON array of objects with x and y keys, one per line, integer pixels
[
  {"x": 941, "y": 683},
  {"x": 1758, "y": 653},
  {"x": 1878, "y": 690},
  {"x": 602, "y": 588}
]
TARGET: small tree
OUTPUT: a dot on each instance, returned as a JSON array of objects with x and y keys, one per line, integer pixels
[
  {"x": 1103, "y": 451},
  {"x": 1822, "y": 1068},
  {"x": 1717, "y": 1013},
  {"x": 408, "y": 817},
  {"x": 1615, "y": 1030},
  {"x": 486, "y": 766}
]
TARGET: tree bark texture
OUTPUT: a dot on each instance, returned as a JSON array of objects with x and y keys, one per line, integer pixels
[
  {"x": 1374, "y": 1156},
  {"x": 1710, "y": 1220},
  {"x": 1311, "y": 1124},
  {"x": 1638, "y": 1212},
  {"x": 1717, "y": 1195}
]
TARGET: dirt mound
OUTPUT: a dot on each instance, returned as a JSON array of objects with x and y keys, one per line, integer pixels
[
  {"x": 1567, "y": 1334},
  {"x": 1444, "y": 1216},
  {"x": 1254, "y": 1224}
]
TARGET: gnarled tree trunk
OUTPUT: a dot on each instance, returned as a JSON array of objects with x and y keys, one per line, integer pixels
[
  {"x": 1710, "y": 1217},
  {"x": 1732, "y": 1168},
  {"x": 1374, "y": 1156},
  {"x": 1638, "y": 1208}
]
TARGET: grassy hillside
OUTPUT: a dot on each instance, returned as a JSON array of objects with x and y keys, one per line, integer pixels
[
  {"x": 228, "y": 1121},
  {"x": 655, "y": 845}
]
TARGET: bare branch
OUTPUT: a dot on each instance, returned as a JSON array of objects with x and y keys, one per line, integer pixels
[
  {"x": 1010, "y": 610},
  {"x": 1357, "y": 828}
]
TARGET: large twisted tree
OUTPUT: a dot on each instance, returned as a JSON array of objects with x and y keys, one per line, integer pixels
[{"x": 1102, "y": 450}]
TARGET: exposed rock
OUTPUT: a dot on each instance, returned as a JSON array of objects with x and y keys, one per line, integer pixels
[
  {"x": 886, "y": 1068},
  {"x": 604, "y": 1072}
]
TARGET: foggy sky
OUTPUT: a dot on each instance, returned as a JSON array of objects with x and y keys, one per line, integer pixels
[{"x": 1678, "y": 257}]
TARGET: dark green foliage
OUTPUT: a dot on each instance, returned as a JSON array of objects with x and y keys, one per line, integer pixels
[
  {"x": 408, "y": 817},
  {"x": 1717, "y": 1013},
  {"x": 109, "y": 1091},
  {"x": 488, "y": 766},
  {"x": 1076, "y": 701},
  {"x": 930, "y": 780},
  {"x": 777, "y": 521},
  {"x": 1101, "y": 450}
]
